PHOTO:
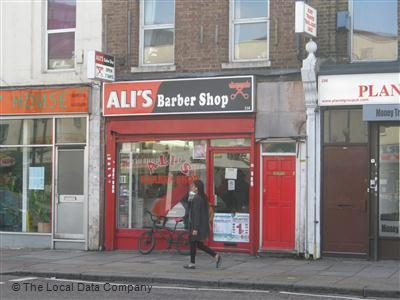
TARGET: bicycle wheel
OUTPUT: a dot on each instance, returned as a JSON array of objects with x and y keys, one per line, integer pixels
[
  {"x": 182, "y": 243},
  {"x": 146, "y": 242}
]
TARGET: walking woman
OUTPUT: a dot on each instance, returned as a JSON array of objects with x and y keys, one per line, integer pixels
[{"x": 199, "y": 226}]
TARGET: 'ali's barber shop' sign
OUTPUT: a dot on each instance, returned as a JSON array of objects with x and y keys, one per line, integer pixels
[{"x": 180, "y": 96}]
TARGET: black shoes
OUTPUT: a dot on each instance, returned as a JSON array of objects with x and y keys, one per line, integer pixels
[{"x": 219, "y": 261}]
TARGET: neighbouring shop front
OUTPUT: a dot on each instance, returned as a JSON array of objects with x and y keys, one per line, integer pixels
[
  {"x": 360, "y": 150},
  {"x": 160, "y": 136},
  {"x": 43, "y": 167}
]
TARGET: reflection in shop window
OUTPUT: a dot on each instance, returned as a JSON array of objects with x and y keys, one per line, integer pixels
[
  {"x": 155, "y": 176},
  {"x": 389, "y": 181},
  {"x": 375, "y": 30},
  {"x": 71, "y": 130}
]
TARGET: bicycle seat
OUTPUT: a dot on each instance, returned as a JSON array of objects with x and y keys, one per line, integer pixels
[{"x": 178, "y": 219}]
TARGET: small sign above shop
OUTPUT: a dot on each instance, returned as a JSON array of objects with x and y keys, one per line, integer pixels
[
  {"x": 179, "y": 96},
  {"x": 44, "y": 101},
  {"x": 381, "y": 112},
  {"x": 306, "y": 19},
  {"x": 100, "y": 66},
  {"x": 359, "y": 89}
]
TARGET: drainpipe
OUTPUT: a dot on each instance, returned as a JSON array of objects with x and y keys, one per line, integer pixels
[{"x": 309, "y": 78}]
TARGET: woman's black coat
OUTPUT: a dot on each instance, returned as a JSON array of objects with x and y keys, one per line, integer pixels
[{"x": 198, "y": 218}]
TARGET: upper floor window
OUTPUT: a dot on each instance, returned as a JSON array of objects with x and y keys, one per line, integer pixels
[
  {"x": 374, "y": 30},
  {"x": 157, "y": 32},
  {"x": 61, "y": 23},
  {"x": 249, "y": 30}
]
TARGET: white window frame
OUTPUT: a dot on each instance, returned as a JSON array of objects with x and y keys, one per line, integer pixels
[
  {"x": 144, "y": 27},
  {"x": 350, "y": 43},
  {"x": 233, "y": 22},
  {"x": 64, "y": 30}
]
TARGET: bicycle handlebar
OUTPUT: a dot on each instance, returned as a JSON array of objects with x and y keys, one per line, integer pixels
[{"x": 163, "y": 219}]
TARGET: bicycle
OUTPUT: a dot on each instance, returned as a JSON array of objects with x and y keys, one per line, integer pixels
[{"x": 147, "y": 240}]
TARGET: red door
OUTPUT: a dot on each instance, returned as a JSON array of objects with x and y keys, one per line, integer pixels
[{"x": 279, "y": 190}]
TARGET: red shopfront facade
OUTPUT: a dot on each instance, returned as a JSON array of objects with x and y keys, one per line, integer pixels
[{"x": 161, "y": 135}]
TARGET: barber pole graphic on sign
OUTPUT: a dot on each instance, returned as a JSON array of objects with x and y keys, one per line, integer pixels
[{"x": 179, "y": 96}]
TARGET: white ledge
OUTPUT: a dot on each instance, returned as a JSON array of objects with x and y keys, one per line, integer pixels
[
  {"x": 146, "y": 69},
  {"x": 247, "y": 64}
]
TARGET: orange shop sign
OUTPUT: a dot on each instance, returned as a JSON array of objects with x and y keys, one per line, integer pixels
[{"x": 44, "y": 101}]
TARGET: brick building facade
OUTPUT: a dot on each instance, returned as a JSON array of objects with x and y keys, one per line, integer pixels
[{"x": 203, "y": 42}]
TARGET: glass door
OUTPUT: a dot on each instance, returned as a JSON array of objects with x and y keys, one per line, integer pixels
[{"x": 230, "y": 187}]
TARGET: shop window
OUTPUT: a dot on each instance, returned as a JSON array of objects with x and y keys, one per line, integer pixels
[
  {"x": 157, "y": 34},
  {"x": 26, "y": 132},
  {"x": 374, "y": 30},
  {"x": 241, "y": 142},
  {"x": 249, "y": 30},
  {"x": 61, "y": 23},
  {"x": 345, "y": 127},
  {"x": 389, "y": 181},
  {"x": 25, "y": 189},
  {"x": 71, "y": 130},
  {"x": 279, "y": 147},
  {"x": 155, "y": 176}
]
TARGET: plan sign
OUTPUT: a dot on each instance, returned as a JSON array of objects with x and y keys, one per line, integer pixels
[
  {"x": 359, "y": 89},
  {"x": 179, "y": 96}
]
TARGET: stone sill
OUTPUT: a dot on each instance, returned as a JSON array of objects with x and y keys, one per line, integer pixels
[
  {"x": 252, "y": 64},
  {"x": 148, "y": 69}
]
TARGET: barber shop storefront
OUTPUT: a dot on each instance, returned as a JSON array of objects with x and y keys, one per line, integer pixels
[
  {"x": 360, "y": 150},
  {"x": 160, "y": 136},
  {"x": 43, "y": 167}
]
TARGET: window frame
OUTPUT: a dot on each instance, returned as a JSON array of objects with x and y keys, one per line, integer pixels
[
  {"x": 351, "y": 38},
  {"x": 233, "y": 22},
  {"x": 55, "y": 31},
  {"x": 143, "y": 27}
]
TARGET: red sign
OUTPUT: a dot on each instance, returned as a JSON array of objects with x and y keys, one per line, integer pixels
[{"x": 44, "y": 101}]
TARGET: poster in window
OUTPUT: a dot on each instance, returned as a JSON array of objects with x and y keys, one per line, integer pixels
[
  {"x": 231, "y": 227},
  {"x": 199, "y": 151},
  {"x": 36, "y": 178}
]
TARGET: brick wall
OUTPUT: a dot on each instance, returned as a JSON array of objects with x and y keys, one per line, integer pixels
[{"x": 206, "y": 54}]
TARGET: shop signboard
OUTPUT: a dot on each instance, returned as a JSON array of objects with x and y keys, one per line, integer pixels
[
  {"x": 179, "y": 96},
  {"x": 306, "y": 19},
  {"x": 44, "y": 101},
  {"x": 359, "y": 89},
  {"x": 381, "y": 112},
  {"x": 100, "y": 66},
  {"x": 231, "y": 227}
]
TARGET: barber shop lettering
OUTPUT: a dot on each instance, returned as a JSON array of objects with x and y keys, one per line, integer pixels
[{"x": 204, "y": 99}]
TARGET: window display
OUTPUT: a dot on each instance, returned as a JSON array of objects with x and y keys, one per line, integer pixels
[
  {"x": 155, "y": 176},
  {"x": 389, "y": 181}
]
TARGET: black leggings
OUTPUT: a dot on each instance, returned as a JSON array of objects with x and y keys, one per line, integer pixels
[{"x": 201, "y": 246}]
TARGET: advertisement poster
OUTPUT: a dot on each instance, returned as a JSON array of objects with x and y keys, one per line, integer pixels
[
  {"x": 231, "y": 227},
  {"x": 36, "y": 178}
]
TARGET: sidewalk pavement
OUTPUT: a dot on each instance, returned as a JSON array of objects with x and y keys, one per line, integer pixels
[{"x": 329, "y": 275}]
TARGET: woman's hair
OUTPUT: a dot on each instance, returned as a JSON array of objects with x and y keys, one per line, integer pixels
[{"x": 200, "y": 189}]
